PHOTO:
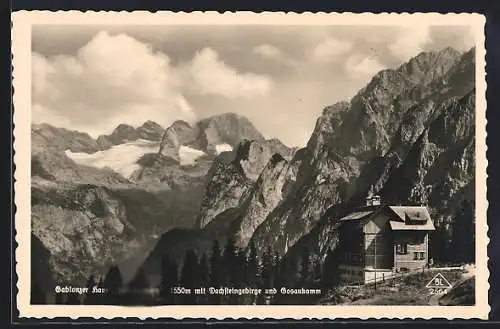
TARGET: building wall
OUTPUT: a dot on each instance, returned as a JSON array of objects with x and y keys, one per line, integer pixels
[
  {"x": 351, "y": 245},
  {"x": 416, "y": 242},
  {"x": 378, "y": 248}
]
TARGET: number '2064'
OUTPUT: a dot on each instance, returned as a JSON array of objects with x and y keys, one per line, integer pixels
[{"x": 437, "y": 291}]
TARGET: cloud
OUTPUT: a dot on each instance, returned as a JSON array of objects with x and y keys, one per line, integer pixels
[
  {"x": 410, "y": 42},
  {"x": 108, "y": 76},
  {"x": 271, "y": 52},
  {"x": 117, "y": 79},
  {"x": 331, "y": 48},
  {"x": 210, "y": 75},
  {"x": 363, "y": 66}
]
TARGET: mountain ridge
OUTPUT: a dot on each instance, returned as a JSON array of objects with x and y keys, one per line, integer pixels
[
  {"x": 408, "y": 135},
  {"x": 163, "y": 192}
]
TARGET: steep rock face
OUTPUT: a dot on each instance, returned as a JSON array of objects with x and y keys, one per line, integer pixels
[
  {"x": 430, "y": 161},
  {"x": 225, "y": 188},
  {"x": 441, "y": 163},
  {"x": 229, "y": 128},
  {"x": 98, "y": 227},
  {"x": 266, "y": 193},
  {"x": 234, "y": 172},
  {"x": 254, "y": 155},
  {"x": 237, "y": 217},
  {"x": 347, "y": 137},
  {"x": 178, "y": 134},
  {"x": 456, "y": 83},
  {"x": 84, "y": 224}
]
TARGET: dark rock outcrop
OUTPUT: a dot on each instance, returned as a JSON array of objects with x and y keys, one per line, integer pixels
[{"x": 233, "y": 173}]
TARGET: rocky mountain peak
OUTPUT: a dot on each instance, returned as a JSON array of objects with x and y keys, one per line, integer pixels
[
  {"x": 150, "y": 123},
  {"x": 124, "y": 132},
  {"x": 180, "y": 124},
  {"x": 178, "y": 134},
  {"x": 227, "y": 128},
  {"x": 49, "y": 136},
  {"x": 150, "y": 130}
]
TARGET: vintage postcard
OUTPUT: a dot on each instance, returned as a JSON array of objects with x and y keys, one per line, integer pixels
[{"x": 244, "y": 165}]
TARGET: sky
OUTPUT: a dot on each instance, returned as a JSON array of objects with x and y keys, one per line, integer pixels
[{"x": 92, "y": 78}]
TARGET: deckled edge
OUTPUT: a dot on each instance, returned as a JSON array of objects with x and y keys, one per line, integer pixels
[{"x": 29, "y": 311}]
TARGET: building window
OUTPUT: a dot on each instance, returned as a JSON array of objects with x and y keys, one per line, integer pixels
[
  {"x": 418, "y": 255},
  {"x": 401, "y": 248}
]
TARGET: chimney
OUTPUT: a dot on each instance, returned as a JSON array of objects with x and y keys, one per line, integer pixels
[{"x": 376, "y": 200}]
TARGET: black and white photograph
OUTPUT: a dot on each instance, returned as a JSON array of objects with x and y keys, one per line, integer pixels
[{"x": 255, "y": 164}]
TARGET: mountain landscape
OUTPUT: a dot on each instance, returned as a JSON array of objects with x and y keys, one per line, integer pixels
[{"x": 138, "y": 195}]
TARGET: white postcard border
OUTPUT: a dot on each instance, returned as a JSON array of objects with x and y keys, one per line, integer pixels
[{"x": 21, "y": 51}]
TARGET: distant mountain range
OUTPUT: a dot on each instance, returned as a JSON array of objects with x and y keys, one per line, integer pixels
[{"x": 130, "y": 197}]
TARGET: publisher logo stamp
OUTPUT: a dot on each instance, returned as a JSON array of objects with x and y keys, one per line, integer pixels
[{"x": 438, "y": 285}]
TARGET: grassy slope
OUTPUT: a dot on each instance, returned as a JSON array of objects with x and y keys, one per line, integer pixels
[{"x": 408, "y": 290}]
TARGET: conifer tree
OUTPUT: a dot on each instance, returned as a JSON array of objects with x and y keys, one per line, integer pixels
[
  {"x": 169, "y": 279},
  {"x": 140, "y": 283},
  {"x": 230, "y": 261},
  {"x": 73, "y": 299},
  {"x": 230, "y": 264},
  {"x": 306, "y": 268},
  {"x": 463, "y": 234},
  {"x": 289, "y": 276},
  {"x": 113, "y": 283},
  {"x": 90, "y": 296},
  {"x": 204, "y": 279},
  {"x": 189, "y": 277},
  {"x": 215, "y": 265},
  {"x": 239, "y": 278},
  {"x": 204, "y": 270},
  {"x": 101, "y": 299},
  {"x": 60, "y": 300},
  {"x": 252, "y": 270},
  {"x": 331, "y": 274},
  {"x": 216, "y": 268},
  {"x": 438, "y": 244},
  {"x": 268, "y": 269},
  {"x": 318, "y": 270}
]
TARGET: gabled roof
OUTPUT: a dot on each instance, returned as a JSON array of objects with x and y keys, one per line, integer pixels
[
  {"x": 411, "y": 218},
  {"x": 357, "y": 215},
  {"x": 411, "y": 211},
  {"x": 401, "y": 226}
]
